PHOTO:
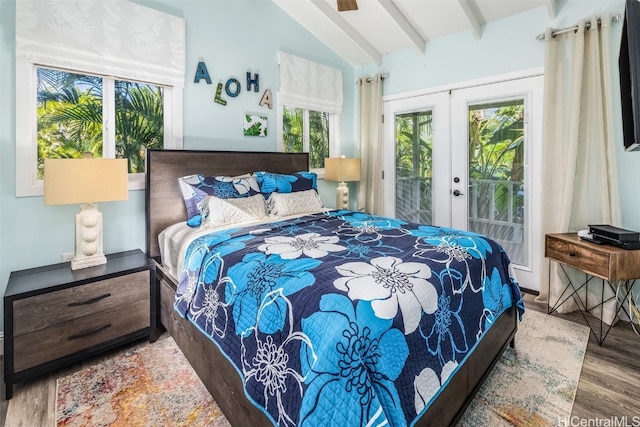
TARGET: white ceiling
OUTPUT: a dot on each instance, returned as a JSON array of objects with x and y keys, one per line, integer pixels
[{"x": 380, "y": 27}]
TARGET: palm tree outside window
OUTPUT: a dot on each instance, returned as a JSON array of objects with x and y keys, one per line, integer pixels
[
  {"x": 71, "y": 112},
  {"x": 306, "y": 131}
]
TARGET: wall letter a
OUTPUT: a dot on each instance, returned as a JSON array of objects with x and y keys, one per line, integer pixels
[
  {"x": 202, "y": 73},
  {"x": 266, "y": 99}
]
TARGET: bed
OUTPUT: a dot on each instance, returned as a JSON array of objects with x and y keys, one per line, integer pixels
[{"x": 385, "y": 380}]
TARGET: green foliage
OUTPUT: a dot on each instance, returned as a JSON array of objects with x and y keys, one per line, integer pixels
[
  {"x": 318, "y": 138},
  {"x": 70, "y": 118},
  {"x": 139, "y": 122},
  {"x": 414, "y": 150},
  {"x": 293, "y": 134},
  {"x": 414, "y": 144},
  {"x": 496, "y": 153},
  {"x": 292, "y": 123}
]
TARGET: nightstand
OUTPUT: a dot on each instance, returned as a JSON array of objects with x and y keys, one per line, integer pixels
[
  {"x": 54, "y": 316},
  {"x": 611, "y": 264}
]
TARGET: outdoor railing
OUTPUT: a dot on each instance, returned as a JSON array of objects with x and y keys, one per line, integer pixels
[{"x": 495, "y": 209}]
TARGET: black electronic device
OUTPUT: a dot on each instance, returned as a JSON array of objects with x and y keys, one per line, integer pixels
[
  {"x": 612, "y": 242},
  {"x": 611, "y": 233}
]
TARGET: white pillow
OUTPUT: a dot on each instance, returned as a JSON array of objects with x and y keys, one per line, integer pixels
[
  {"x": 300, "y": 202},
  {"x": 218, "y": 212}
]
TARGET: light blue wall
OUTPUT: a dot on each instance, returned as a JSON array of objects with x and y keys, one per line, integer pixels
[
  {"x": 232, "y": 37},
  {"x": 506, "y": 46}
]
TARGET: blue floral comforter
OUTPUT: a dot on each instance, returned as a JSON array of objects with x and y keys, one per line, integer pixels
[{"x": 344, "y": 318}]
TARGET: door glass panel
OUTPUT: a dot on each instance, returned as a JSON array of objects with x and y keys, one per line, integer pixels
[
  {"x": 496, "y": 174},
  {"x": 414, "y": 143}
]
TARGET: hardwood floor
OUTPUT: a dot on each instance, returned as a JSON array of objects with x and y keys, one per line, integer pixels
[
  {"x": 610, "y": 378},
  {"x": 608, "y": 388}
]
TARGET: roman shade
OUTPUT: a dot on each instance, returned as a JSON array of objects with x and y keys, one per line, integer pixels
[
  {"x": 105, "y": 37},
  {"x": 309, "y": 85}
]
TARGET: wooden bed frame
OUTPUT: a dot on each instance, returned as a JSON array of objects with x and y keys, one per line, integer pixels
[{"x": 165, "y": 206}]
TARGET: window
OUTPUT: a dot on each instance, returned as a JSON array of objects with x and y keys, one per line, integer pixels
[
  {"x": 76, "y": 112},
  {"x": 72, "y": 117},
  {"x": 109, "y": 82},
  {"x": 307, "y": 131},
  {"x": 309, "y": 109}
]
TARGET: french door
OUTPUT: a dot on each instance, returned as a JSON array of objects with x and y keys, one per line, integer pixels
[{"x": 470, "y": 159}]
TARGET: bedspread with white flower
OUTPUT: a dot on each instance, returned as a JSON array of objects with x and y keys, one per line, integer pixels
[{"x": 344, "y": 318}]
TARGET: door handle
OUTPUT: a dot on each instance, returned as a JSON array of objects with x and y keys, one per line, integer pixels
[{"x": 457, "y": 193}]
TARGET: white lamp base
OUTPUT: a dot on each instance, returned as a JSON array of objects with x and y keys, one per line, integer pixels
[
  {"x": 342, "y": 196},
  {"x": 88, "y": 248}
]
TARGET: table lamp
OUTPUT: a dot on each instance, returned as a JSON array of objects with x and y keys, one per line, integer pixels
[
  {"x": 86, "y": 181},
  {"x": 342, "y": 169}
]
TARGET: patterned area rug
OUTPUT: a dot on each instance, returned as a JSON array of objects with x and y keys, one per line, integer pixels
[
  {"x": 152, "y": 385},
  {"x": 532, "y": 385}
]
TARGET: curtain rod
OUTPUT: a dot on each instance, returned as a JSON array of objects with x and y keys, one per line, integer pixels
[
  {"x": 554, "y": 33},
  {"x": 382, "y": 77}
]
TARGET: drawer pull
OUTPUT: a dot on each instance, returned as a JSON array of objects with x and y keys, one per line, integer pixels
[
  {"x": 89, "y": 301},
  {"x": 572, "y": 254},
  {"x": 89, "y": 332}
]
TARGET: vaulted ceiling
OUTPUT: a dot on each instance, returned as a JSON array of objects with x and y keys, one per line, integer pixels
[{"x": 379, "y": 27}]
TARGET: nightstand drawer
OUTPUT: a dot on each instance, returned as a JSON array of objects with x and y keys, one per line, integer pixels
[
  {"x": 66, "y": 338},
  {"x": 578, "y": 256},
  {"x": 59, "y": 307}
]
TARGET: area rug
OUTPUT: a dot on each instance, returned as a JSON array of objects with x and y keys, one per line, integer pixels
[
  {"x": 532, "y": 385},
  {"x": 152, "y": 385}
]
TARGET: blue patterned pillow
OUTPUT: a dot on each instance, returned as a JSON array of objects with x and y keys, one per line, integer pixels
[
  {"x": 281, "y": 183},
  {"x": 196, "y": 187}
]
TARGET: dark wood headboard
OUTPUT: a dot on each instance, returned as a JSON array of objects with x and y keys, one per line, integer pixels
[{"x": 164, "y": 202}]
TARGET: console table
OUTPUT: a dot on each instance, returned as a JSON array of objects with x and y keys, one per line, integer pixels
[{"x": 608, "y": 263}]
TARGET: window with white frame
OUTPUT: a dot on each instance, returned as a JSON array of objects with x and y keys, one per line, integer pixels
[
  {"x": 73, "y": 117},
  {"x": 106, "y": 82},
  {"x": 309, "y": 131},
  {"x": 310, "y": 105}
]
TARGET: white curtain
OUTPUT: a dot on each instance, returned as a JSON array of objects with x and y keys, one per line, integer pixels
[
  {"x": 370, "y": 140},
  {"x": 579, "y": 164}
]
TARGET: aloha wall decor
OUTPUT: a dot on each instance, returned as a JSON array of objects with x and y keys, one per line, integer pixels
[
  {"x": 255, "y": 125},
  {"x": 232, "y": 87}
]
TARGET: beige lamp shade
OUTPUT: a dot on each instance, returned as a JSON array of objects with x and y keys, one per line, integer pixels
[
  {"x": 341, "y": 169},
  {"x": 86, "y": 181},
  {"x": 72, "y": 181}
]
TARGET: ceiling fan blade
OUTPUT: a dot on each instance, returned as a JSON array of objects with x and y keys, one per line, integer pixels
[{"x": 344, "y": 5}]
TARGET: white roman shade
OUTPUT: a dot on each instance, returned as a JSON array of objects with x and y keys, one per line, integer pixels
[
  {"x": 309, "y": 85},
  {"x": 106, "y": 37}
]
